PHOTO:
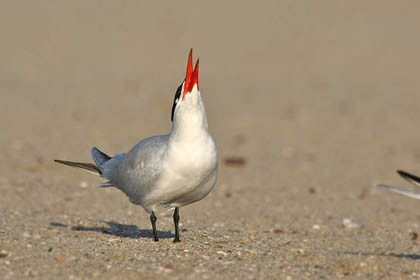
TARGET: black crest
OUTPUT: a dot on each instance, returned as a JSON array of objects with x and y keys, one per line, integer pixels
[{"x": 176, "y": 99}]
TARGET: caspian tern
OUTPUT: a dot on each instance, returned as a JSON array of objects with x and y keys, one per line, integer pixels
[
  {"x": 165, "y": 171},
  {"x": 410, "y": 178}
]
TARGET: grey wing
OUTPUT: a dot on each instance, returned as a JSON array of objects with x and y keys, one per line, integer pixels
[
  {"x": 141, "y": 167},
  {"x": 407, "y": 192}
]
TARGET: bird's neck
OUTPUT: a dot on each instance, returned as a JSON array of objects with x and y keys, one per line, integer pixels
[{"x": 190, "y": 122}]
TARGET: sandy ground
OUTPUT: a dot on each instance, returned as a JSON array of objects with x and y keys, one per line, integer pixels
[{"x": 320, "y": 99}]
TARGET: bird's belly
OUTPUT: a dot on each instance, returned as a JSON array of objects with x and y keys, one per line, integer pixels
[
  {"x": 192, "y": 191},
  {"x": 188, "y": 174},
  {"x": 176, "y": 188}
]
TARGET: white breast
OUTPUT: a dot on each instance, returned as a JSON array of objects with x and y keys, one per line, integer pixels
[
  {"x": 190, "y": 162},
  {"x": 189, "y": 174}
]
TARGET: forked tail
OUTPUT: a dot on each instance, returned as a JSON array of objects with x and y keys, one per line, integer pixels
[
  {"x": 88, "y": 167},
  {"x": 99, "y": 157}
]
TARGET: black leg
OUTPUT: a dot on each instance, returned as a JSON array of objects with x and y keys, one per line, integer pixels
[
  {"x": 176, "y": 222},
  {"x": 153, "y": 220}
]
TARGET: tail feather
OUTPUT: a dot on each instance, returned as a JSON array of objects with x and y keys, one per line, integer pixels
[
  {"x": 99, "y": 158},
  {"x": 105, "y": 185},
  {"x": 104, "y": 165},
  {"x": 88, "y": 167}
]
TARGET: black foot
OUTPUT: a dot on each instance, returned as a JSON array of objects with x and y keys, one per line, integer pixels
[
  {"x": 176, "y": 222},
  {"x": 153, "y": 219}
]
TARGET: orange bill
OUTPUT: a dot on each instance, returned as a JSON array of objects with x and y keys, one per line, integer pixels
[
  {"x": 191, "y": 77},
  {"x": 194, "y": 77}
]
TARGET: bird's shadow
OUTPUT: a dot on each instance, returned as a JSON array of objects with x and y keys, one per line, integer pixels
[
  {"x": 394, "y": 255},
  {"x": 122, "y": 230}
]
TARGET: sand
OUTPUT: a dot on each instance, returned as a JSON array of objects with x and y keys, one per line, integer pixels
[{"x": 311, "y": 103}]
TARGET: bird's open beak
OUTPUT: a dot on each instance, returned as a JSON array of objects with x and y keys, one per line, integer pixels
[{"x": 191, "y": 78}]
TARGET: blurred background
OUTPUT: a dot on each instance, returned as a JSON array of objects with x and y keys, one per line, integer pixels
[
  {"x": 302, "y": 97},
  {"x": 276, "y": 73}
]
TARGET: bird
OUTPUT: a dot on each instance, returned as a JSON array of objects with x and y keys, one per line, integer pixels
[
  {"x": 410, "y": 178},
  {"x": 165, "y": 171}
]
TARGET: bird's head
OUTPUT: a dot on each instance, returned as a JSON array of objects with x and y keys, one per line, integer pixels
[{"x": 187, "y": 95}]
